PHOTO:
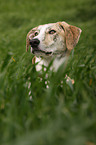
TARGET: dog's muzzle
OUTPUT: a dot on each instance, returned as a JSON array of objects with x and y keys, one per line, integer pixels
[
  {"x": 35, "y": 47},
  {"x": 34, "y": 43}
]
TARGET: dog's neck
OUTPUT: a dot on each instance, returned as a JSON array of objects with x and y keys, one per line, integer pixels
[{"x": 56, "y": 60}]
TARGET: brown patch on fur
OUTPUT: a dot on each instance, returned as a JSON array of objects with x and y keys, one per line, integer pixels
[
  {"x": 72, "y": 35},
  {"x": 33, "y": 60}
]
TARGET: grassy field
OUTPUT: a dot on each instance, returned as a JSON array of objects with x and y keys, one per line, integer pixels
[{"x": 56, "y": 115}]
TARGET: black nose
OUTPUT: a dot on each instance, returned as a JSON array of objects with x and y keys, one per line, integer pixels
[{"x": 34, "y": 42}]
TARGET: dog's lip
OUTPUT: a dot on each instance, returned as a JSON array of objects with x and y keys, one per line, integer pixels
[{"x": 40, "y": 51}]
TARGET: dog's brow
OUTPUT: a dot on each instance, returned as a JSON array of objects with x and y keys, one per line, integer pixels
[
  {"x": 49, "y": 28},
  {"x": 39, "y": 28}
]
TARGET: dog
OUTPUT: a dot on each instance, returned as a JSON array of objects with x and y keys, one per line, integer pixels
[{"x": 52, "y": 41}]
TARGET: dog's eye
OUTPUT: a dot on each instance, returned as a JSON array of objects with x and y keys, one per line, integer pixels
[
  {"x": 36, "y": 33},
  {"x": 52, "y": 31}
]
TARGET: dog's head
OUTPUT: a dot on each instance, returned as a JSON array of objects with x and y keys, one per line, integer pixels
[{"x": 54, "y": 38}]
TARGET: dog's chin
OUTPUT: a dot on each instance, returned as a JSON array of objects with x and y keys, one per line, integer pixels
[{"x": 40, "y": 52}]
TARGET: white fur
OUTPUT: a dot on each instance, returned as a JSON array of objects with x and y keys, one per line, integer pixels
[{"x": 56, "y": 64}]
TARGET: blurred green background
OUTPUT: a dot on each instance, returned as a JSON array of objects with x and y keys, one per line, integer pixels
[{"x": 59, "y": 115}]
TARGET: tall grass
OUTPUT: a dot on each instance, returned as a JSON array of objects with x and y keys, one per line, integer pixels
[{"x": 60, "y": 114}]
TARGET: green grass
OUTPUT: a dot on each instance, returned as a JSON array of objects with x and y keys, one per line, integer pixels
[{"x": 58, "y": 115}]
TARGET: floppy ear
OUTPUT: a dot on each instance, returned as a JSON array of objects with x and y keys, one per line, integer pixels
[
  {"x": 72, "y": 35},
  {"x": 30, "y": 35}
]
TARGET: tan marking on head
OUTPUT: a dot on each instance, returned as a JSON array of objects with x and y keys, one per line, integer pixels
[
  {"x": 72, "y": 34},
  {"x": 30, "y": 35},
  {"x": 48, "y": 37}
]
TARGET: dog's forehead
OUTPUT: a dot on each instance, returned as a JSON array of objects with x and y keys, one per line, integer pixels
[{"x": 46, "y": 26}]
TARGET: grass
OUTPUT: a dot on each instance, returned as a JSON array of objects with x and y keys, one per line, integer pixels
[{"x": 57, "y": 115}]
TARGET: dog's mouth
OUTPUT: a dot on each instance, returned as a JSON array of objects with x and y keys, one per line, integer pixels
[{"x": 39, "y": 51}]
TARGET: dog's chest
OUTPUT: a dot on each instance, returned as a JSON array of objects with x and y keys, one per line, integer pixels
[{"x": 55, "y": 65}]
